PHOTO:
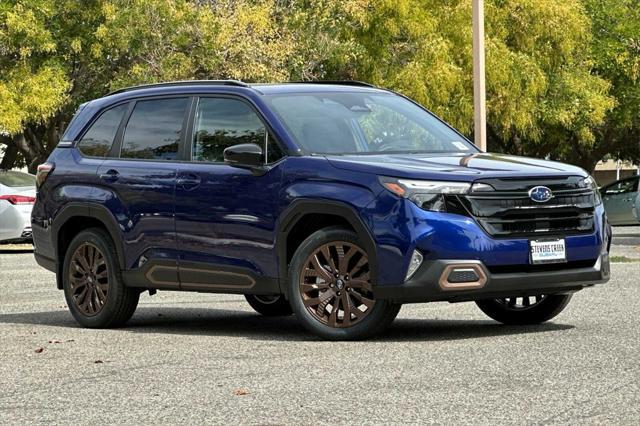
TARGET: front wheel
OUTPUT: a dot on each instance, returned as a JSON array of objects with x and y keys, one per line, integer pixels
[
  {"x": 525, "y": 309},
  {"x": 330, "y": 288}
]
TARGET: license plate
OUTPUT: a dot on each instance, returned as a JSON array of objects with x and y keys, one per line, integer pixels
[{"x": 548, "y": 251}]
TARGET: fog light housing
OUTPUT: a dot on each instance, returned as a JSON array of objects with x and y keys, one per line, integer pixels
[
  {"x": 463, "y": 275},
  {"x": 414, "y": 264}
]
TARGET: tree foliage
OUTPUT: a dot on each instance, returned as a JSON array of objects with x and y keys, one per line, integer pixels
[{"x": 561, "y": 76}]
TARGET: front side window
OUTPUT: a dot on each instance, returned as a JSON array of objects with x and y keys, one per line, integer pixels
[
  {"x": 364, "y": 123},
  {"x": 623, "y": 187},
  {"x": 154, "y": 129},
  {"x": 221, "y": 123},
  {"x": 97, "y": 141}
]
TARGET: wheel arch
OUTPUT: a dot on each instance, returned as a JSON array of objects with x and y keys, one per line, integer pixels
[
  {"x": 76, "y": 217},
  {"x": 319, "y": 214}
]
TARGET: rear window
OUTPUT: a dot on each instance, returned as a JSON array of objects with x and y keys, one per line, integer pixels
[
  {"x": 16, "y": 179},
  {"x": 99, "y": 138},
  {"x": 154, "y": 129}
]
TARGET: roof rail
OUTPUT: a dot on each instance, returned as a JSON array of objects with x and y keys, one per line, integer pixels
[
  {"x": 181, "y": 83},
  {"x": 340, "y": 82}
]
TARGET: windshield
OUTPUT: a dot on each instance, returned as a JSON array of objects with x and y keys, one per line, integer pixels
[{"x": 364, "y": 123}]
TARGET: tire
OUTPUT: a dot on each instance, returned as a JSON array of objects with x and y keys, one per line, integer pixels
[
  {"x": 307, "y": 284},
  {"x": 269, "y": 306},
  {"x": 509, "y": 312},
  {"x": 99, "y": 310}
]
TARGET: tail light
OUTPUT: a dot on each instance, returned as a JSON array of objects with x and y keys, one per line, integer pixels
[
  {"x": 43, "y": 172},
  {"x": 18, "y": 199}
]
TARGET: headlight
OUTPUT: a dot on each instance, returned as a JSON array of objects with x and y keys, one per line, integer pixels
[
  {"x": 426, "y": 194},
  {"x": 590, "y": 182}
]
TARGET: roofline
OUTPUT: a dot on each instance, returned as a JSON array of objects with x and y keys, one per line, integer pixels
[
  {"x": 181, "y": 83},
  {"x": 336, "y": 82},
  {"x": 236, "y": 83}
]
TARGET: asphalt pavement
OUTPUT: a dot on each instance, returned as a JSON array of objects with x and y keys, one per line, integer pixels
[{"x": 202, "y": 358}]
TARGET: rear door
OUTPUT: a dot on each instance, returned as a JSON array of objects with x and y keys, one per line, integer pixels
[
  {"x": 140, "y": 187},
  {"x": 226, "y": 216}
]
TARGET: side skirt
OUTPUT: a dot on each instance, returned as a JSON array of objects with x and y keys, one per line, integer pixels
[{"x": 167, "y": 275}]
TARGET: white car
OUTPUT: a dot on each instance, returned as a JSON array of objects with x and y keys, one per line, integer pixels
[{"x": 17, "y": 195}]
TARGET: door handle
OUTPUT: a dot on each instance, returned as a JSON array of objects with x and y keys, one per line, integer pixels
[
  {"x": 188, "y": 181},
  {"x": 111, "y": 175}
]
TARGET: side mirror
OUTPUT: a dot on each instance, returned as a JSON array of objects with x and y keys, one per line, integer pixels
[{"x": 245, "y": 155}]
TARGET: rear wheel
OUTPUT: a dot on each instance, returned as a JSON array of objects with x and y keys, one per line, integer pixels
[
  {"x": 92, "y": 282},
  {"x": 524, "y": 310},
  {"x": 269, "y": 306},
  {"x": 330, "y": 288}
]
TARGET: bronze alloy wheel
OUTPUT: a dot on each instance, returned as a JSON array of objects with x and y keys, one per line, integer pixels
[
  {"x": 335, "y": 284},
  {"x": 89, "y": 279},
  {"x": 521, "y": 303}
]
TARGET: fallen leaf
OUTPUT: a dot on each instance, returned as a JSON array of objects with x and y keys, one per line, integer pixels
[
  {"x": 39, "y": 350},
  {"x": 241, "y": 391}
]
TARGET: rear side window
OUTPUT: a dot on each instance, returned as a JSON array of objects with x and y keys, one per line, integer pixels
[
  {"x": 154, "y": 129},
  {"x": 221, "y": 123},
  {"x": 99, "y": 138},
  {"x": 16, "y": 179}
]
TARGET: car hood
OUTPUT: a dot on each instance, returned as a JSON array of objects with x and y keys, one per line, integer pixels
[{"x": 456, "y": 167}]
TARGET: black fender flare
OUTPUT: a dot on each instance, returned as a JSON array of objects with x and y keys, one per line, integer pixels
[
  {"x": 299, "y": 208},
  {"x": 94, "y": 211}
]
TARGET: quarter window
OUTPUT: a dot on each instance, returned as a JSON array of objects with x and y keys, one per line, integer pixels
[
  {"x": 99, "y": 138},
  {"x": 154, "y": 129},
  {"x": 221, "y": 123}
]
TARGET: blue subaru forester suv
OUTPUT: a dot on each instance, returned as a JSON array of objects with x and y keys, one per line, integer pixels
[{"x": 337, "y": 202}]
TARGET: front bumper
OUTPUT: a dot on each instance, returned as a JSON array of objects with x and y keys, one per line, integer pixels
[{"x": 425, "y": 285}]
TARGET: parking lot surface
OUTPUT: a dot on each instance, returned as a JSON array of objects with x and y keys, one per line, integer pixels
[{"x": 194, "y": 358}]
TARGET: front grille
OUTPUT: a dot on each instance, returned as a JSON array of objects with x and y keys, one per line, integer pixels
[{"x": 510, "y": 212}]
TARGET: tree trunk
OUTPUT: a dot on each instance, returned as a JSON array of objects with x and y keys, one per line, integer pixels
[
  {"x": 32, "y": 149},
  {"x": 10, "y": 157}
]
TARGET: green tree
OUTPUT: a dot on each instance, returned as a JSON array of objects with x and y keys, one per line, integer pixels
[
  {"x": 561, "y": 76},
  {"x": 56, "y": 54},
  {"x": 616, "y": 53},
  {"x": 38, "y": 52},
  {"x": 543, "y": 98}
]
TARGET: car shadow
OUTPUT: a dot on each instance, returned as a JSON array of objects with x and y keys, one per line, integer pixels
[
  {"x": 15, "y": 251},
  {"x": 218, "y": 322}
]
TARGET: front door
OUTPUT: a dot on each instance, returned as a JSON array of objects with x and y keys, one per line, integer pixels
[
  {"x": 619, "y": 199},
  {"x": 226, "y": 216}
]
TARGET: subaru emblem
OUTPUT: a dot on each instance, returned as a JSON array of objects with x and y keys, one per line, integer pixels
[{"x": 540, "y": 194}]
